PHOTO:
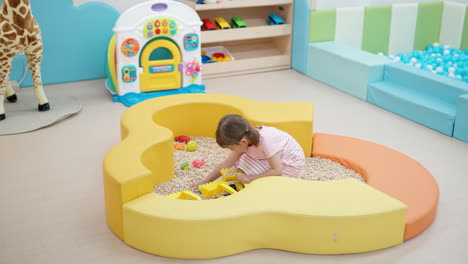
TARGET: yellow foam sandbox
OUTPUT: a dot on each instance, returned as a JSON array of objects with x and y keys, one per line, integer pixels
[{"x": 276, "y": 212}]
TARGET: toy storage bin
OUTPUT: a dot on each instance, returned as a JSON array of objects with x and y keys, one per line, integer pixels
[{"x": 211, "y": 50}]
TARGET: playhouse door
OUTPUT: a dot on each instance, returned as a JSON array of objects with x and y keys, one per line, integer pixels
[{"x": 160, "y": 62}]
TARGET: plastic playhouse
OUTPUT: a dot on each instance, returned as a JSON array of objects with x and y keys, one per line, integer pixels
[{"x": 155, "y": 51}]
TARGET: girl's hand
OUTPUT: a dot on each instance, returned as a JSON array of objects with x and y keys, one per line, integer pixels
[
  {"x": 243, "y": 178},
  {"x": 195, "y": 186}
]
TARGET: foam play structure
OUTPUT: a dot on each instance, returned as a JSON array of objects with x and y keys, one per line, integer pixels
[
  {"x": 435, "y": 101},
  {"x": 398, "y": 202},
  {"x": 155, "y": 51}
]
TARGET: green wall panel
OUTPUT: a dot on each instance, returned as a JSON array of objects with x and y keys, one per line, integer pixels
[
  {"x": 376, "y": 35},
  {"x": 428, "y": 24},
  {"x": 464, "y": 40},
  {"x": 322, "y": 25}
]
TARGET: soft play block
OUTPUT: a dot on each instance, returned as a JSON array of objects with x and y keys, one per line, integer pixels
[
  {"x": 460, "y": 131},
  {"x": 418, "y": 107},
  {"x": 345, "y": 68},
  {"x": 145, "y": 156},
  {"x": 389, "y": 171},
  {"x": 447, "y": 89},
  {"x": 423, "y": 97},
  {"x": 273, "y": 212}
]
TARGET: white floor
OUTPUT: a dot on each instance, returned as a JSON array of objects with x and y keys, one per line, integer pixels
[{"x": 51, "y": 191}]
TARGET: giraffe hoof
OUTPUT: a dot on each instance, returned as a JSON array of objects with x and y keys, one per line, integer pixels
[
  {"x": 12, "y": 98},
  {"x": 43, "y": 107},
  {"x": 2, "y": 116}
]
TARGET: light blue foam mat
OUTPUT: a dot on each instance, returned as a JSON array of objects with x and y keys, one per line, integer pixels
[
  {"x": 460, "y": 130},
  {"x": 345, "y": 68},
  {"x": 75, "y": 41},
  {"x": 130, "y": 99},
  {"x": 418, "y": 107}
]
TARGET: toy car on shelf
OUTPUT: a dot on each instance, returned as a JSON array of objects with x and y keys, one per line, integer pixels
[
  {"x": 274, "y": 19},
  {"x": 208, "y": 25},
  {"x": 237, "y": 22},
  {"x": 221, "y": 23}
]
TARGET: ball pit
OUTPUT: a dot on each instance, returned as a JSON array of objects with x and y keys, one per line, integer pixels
[{"x": 438, "y": 59}]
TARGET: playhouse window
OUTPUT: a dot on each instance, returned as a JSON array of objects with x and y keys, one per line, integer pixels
[{"x": 161, "y": 54}]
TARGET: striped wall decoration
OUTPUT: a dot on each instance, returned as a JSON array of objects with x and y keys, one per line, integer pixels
[
  {"x": 428, "y": 24},
  {"x": 376, "y": 28},
  {"x": 464, "y": 41},
  {"x": 349, "y": 26},
  {"x": 451, "y": 29},
  {"x": 402, "y": 28},
  {"x": 393, "y": 29}
]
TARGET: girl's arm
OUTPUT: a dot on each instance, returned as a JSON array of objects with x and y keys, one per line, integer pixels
[
  {"x": 227, "y": 163},
  {"x": 276, "y": 170}
]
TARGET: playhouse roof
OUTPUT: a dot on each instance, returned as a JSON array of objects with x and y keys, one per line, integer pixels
[{"x": 148, "y": 10}]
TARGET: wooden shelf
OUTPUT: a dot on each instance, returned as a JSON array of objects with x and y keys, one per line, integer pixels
[
  {"x": 257, "y": 48},
  {"x": 249, "y": 58},
  {"x": 235, "y": 4},
  {"x": 245, "y": 33}
]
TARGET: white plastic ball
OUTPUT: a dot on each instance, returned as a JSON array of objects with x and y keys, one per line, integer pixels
[
  {"x": 397, "y": 59},
  {"x": 436, "y": 44},
  {"x": 417, "y": 65},
  {"x": 439, "y": 69},
  {"x": 380, "y": 54},
  {"x": 451, "y": 74},
  {"x": 413, "y": 60},
  {"x": 439, "y": 59},
  {"x": 446, "y": 52},
  {"x": 451, "y": 69},
  {"x": 430, "y": 67}
]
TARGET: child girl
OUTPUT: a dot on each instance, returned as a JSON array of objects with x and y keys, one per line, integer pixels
[{"x": 261, "y": 151}]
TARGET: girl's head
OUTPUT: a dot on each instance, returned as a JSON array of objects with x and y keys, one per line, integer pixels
[{"x": 234, "y": 131}]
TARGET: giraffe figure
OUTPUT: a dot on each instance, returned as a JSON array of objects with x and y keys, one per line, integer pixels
[{"x": 20, "y": 32}]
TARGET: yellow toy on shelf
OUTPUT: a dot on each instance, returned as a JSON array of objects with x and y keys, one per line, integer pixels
[
  {"x": 214, "y": 188},
  {"x": 184, "y": 195}
]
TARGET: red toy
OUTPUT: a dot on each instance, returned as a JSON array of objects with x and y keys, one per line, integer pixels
[
  {"x": 208, "y": 25},
  {"x": 218, "y": 55},
  {"x": 182, "y": 139},
  {"x": 198, "y": 163}
]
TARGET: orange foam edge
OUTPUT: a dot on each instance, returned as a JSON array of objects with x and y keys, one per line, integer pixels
[{"x": 386, "y": 170}]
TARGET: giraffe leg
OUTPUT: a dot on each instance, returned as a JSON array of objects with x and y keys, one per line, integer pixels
[
  {"x": 10, "y": 94},
  {"x": 5, "y": 68},
  {"x": 35, "y": 66}
]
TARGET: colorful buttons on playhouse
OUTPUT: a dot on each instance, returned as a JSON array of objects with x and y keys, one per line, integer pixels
[
  {"x": 130, "y": 47},
  {"x": 160, "y": 26},
  {"x": 191, "y": 41},
  {"x": 129, "y": 74}
]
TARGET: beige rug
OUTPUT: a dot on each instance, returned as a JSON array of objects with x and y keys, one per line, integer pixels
[
  {"x": 316, "y": 169},
  {"x": 23, "y": 116}
]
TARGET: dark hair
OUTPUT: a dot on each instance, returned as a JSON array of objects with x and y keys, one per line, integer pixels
[{"x": 232, "y": 128}]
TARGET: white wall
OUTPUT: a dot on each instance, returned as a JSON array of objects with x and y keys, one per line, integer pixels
[
  {"x": 327, "y": 4},
  {"x": 120, "y": 5},
  {"x": 459, "y": 1}
]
